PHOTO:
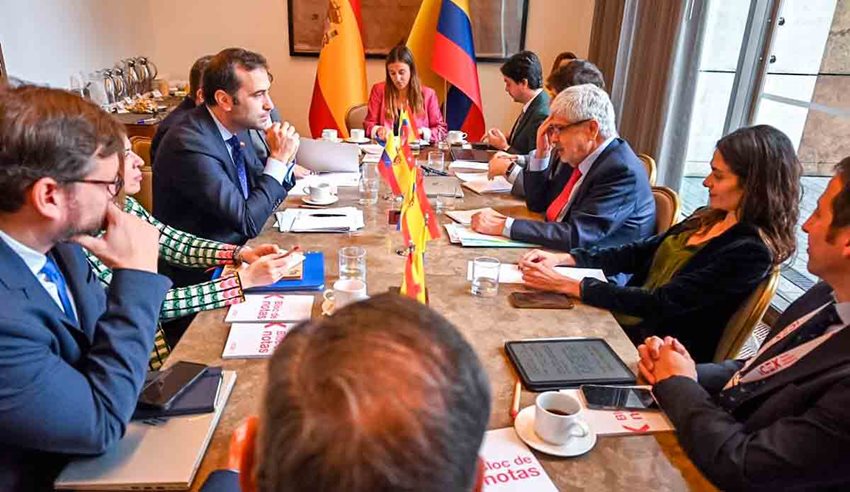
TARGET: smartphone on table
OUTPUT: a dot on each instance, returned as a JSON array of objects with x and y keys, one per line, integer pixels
[
  {"x": 618, "y": 397},
  {"x": 161, "y": 392},
  {"x": 540, "y": 300}
]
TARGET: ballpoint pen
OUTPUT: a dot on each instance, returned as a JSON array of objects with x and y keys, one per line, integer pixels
[
  {"x": 434, "y": 171},
  {"x": 515, "y": 402}
]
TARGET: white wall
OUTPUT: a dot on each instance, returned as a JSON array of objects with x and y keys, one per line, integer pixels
[{"x": 74, "y": 34}]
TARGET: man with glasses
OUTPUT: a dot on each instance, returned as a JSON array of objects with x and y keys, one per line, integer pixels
[
  {"x": 72, "y": 356},
  {"x": 597, "y": 195}
]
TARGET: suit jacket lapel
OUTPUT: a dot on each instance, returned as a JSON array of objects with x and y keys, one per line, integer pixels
[
  {"x": 77, "y": 280},
  {"x": 523, "y": 119},
  {"x": 579, "y": 193},
  {"x": 218, "y": 147}
]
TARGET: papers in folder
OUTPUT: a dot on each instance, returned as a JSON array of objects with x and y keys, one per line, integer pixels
[
  {"x": 465, "y": 216},
  {"x": 509, "y": 273},
  {"x": 340, "y": 219},
  {"x": 479, "y": 183},
  {"x": 460, "y": 234}
]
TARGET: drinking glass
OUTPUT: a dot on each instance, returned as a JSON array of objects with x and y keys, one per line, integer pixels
[
  {"x": 485, "y": 276},
  {"x": 369, "y": 184},
  {"x": 352, "y": 263},
  {"x": 436, "y": 161}
]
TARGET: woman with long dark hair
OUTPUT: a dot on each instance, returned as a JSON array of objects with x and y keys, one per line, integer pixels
[
  {"x": 402, "y": 90},
  {"x": 688, "y": 282}
]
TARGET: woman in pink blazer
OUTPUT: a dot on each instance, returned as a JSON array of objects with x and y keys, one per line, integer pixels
[{"x": 402, "y": 90}]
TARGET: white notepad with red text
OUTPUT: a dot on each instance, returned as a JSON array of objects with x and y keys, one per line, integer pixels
[
  {"x": 509, "y": 466},
  {"x": 254, "y": 340},
  {"x": 266, "y": 308}
]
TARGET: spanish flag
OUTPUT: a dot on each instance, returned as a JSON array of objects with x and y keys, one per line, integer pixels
[{"x": 341, "y": 74}]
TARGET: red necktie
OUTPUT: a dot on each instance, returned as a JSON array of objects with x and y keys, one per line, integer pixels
[{"x": 558, "y": 203}]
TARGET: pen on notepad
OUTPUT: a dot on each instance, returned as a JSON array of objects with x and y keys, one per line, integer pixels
[
  {"x": 515, "y": 402},
  {"x": 434, "y": 171}
]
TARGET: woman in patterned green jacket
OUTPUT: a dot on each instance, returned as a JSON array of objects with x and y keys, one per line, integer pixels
[{"x": 180, "y": 248}]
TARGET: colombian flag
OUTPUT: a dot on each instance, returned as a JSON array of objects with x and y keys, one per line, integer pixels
[
  {"x": 454, "y": 60},
  {"x": 341, "y": 74}
]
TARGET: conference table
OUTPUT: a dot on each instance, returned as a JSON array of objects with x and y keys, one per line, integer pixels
[{"x": 639, "y": 462}]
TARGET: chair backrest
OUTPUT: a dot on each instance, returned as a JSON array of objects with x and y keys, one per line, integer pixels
[
  {"x": 667, "y": 207},
  {"x": 651, "y": 168},
  {"x": 142, "y": 148},
  {"x": 741, "y": 325},
  {"x": 354, "y": 116}
]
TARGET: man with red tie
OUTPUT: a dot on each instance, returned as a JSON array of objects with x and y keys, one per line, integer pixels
[
  {"x": 597, "y": 195},
  {"x": 781, "y": 419}
]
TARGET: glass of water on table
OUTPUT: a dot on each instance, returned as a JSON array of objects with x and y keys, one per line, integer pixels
[
  {"x": 369, "y": 183},
  {"x": 485, "y": 276},
  {"x": 352, "y": 263}
]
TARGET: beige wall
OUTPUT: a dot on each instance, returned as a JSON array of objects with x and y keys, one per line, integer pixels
[{"x": 180, "y": 32}]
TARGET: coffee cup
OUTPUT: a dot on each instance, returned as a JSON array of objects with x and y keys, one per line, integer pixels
[
  {"x": 345, "y": 292},
  {"x": 329, "y": 134},
  {"x": 456, "y": 137},
  {"x": 358, "y": 134},
  {"x": 557, "y": 418},
  {"x": 321, "y": 192}
]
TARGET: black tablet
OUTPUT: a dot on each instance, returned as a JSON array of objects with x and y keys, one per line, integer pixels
[{"x": 557, "y": 363}]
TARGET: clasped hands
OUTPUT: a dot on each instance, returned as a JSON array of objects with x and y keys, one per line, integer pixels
[
  {"x": 538, "y": 272},
  {"x": 662, "y": 359}
]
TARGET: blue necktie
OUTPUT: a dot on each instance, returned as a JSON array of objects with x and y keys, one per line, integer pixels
[
  {"x": 239, "y": 160},
  {"x": 54, "y": 276}
]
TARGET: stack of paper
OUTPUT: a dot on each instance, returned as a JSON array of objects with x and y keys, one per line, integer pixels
[
  {"x": 622, "y": 422},
  {"x": 340, "y": 219},
  {"x": 509, "y": 466},
  {"x": 468, "y": 238},
  {"x": 509, "y": 273},
  {"x": 372, "y": 148},
  {"x": 336, "y": 180},
  {"x": 483, "y": 185},
  {"x": 267, "y": 308},
  {"x": 465, "y": 216},
  {"x": 254, "y": 340},
  {"x": 481, "y": 166}
]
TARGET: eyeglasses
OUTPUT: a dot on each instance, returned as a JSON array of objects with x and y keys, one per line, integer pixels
[
  {"x": 553, "y": 128},
  {"x": 113, "y": 187}
]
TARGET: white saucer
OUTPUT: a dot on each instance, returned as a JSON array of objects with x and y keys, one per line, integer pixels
[
  {"x": 306, "y": 199},
  {"x": 524, "y": 425},
  {"x": 355, "y": 141},
  {"x": 334, "y": 140},
  {"x": 327, "y": 307}
]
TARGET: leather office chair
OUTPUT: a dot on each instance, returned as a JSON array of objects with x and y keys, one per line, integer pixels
[
  {"x": 142, "y": 147},
  {"x": 667, "y": 208},
  {"x": 651, "y": 168},
  {"x": 741, "y": 325},
  {"x": 354, "y": 117}
]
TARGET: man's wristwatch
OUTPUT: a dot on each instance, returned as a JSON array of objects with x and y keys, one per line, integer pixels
[{"x": 510, "y": 169}]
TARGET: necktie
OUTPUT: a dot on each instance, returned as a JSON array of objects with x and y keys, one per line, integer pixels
[
  {"x": 558, "y": 203},
  {"x": 239, "y": 160},
  {"x": 55, "y": 277}
]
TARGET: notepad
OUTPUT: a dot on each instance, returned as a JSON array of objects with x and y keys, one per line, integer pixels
[
  {"x": 483, "y": 185},
  {"x": 509, "y": 466},
  {"x": 254, "y": 340},
  {"x": 266, "y": 308},
  {"x": 466, "y": 237},
  {"x": 340, "y": 219},
  {"x": 465, "y": 216},
  {"x": 509, "y": 273}
]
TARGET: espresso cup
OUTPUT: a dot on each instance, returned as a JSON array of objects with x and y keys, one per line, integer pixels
[
  {"x": 557, "y": 418},
  {"x": 318, "y": 193},
  {"x": 358, "y": 134},
  {"x": 329, "y": 134},
  {"x": 456, "y": 137},
  {"x": 345, "y": 292}
]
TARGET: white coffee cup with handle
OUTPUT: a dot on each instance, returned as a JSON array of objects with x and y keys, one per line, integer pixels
[
  {"x": 456, "y": 137},
  {"x": 557, "y": 418},
  {"x": 329, "y": 134},
  {"x": 320, "y": 192},
  {"x": 358, "y": 134},
  {"x": 346, "y": 291}
]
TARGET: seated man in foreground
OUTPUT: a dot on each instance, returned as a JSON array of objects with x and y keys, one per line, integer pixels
[
  {"x": 73, "y": 356},
  {"x": 780, "y": 420},
  {"x": 384, "y": 395},
  {"x": 597, "y": 195}
]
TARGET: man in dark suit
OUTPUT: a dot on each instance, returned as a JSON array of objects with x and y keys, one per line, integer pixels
[
  {"x": 597, "y": 195},
  {"x": 207, "y": 178},
  {"x": 780, "y": 420},
  {"x": 73, "y": 356},
  {"x": 194, "y": 98},
  {"x": 575, "y": 72}
]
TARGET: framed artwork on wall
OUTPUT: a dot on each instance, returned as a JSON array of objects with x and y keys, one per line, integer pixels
[{"x": 498, "y": 26}]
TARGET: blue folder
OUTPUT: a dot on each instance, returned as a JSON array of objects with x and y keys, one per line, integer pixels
[{"x": 312, "y": 278}]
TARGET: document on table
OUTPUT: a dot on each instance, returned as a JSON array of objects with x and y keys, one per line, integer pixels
[
  {"x": 509, "y": 273},
  {"x": 509, "y": 466},
  {"x": 483, "y": 185},
  {"x": 267, "y": 308},
  {"x": 339, "y": 219},
  {"x": 336, "y": 180},
  {"x": 459, "y": 233},
  {"x": 622, "y": 422},
  {"x": 465, "y": 216},
  {"x": 254, "y": 340},
  {"x": 372, "y": 148},
  {"x": 371, "y": 159},
  {"x": 481, "y": 166}
]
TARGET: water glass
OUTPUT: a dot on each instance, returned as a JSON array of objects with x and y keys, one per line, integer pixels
[
  {"x": 369, "y": 184},
  {"x": 436, "y": 161},
  {"x": 485, "y": 276},
  {"x": 352, "y": 263}
]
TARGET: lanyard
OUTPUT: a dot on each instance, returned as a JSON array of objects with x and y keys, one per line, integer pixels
[{"x": 781, "y": 361}]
